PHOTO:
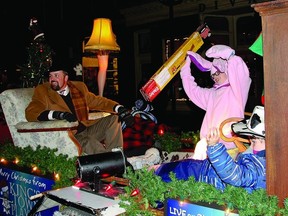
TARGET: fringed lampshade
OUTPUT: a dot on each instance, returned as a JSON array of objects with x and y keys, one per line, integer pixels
[
  {"x": 102, "y": 37},
  {"x": 102, "y": 42}
]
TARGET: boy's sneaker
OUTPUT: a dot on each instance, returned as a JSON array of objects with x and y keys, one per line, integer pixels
[{"x": 150, "y": 158}]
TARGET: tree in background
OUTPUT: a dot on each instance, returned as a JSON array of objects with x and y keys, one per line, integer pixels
[{"x": 39, "y": 57}]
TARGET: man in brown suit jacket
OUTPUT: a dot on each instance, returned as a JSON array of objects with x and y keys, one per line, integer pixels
[{"x": 60, "y": 98}]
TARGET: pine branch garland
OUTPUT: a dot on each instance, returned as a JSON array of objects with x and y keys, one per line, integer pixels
[
  {"x": 153, "y": 189},
  {"x": 45, "y": 159}
]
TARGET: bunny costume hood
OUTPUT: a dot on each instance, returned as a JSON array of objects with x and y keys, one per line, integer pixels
[
  {"x": 221, "y": 101},
  {"x": 221, "y": 55}
]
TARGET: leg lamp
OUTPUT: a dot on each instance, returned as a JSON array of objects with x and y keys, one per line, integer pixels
[
  {"x": 103, "y": 65},
  {"x": 102, "y": 42}
]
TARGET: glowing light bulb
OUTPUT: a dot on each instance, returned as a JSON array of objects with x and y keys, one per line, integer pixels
[
  {"x": 16, "y": 161},
  {"x": 135, "y": 192},
  {"x": 56, "y": 176},
  {"x": 227, "y": 212},
  {"x": 78, "y": 181},
  {"x": 160, "y": 131},
  {"x": 110, "y": 186}
]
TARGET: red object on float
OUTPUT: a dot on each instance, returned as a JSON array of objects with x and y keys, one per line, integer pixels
[{"x": 135, "y": 192}]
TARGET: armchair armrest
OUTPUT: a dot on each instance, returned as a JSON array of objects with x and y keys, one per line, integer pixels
[
  {"x": 44, "y": 126},
  {"x": 55, "y": 134}
]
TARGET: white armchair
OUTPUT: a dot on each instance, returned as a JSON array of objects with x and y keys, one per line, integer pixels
[{"x": 53, "y": 134}]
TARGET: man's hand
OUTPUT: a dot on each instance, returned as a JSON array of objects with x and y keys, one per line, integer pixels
[
  {"x": 64, "y": 115},
  {"x": 212, "y": 136},
  {"x": 125, "y": 116}
]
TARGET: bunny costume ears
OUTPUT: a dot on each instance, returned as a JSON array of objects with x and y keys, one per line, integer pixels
[{"x": 221, "y": 55}]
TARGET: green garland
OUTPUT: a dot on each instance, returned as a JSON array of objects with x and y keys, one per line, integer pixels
[
  {"x": 153, "y": 189},
  {"x": 171, "y": 141},
  {"x": 45, "y": 159}
]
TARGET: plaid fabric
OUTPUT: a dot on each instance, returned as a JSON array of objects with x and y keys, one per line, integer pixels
[
  {"x": 79, "y": 102},
  {"x": 140, "y": 134}
]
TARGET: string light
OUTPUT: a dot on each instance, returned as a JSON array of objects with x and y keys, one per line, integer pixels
[
  {"x": 227, "y": 212},
  {"x": 56, "y": 176},
  {"x": 135, "y": 192},
  {"x": 34, "y": 168},
  {"x": 16, "y": 161},
  {"x": 110, "y": 186},
  {"x": 160, "y": 131},
  {"x": 77, "y": 181}
]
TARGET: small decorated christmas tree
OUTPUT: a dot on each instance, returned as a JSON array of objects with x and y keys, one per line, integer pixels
[{"x": 39, "y": 58}]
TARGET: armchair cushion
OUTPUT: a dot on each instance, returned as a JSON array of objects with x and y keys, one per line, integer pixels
[{"x": 46, "y": 125}]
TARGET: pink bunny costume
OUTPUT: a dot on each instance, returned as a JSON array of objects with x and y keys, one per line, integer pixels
[{"x": 221, "y": 101}]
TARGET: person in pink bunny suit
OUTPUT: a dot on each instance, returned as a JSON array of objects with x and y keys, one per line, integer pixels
[{"x": 228, "y": 96}]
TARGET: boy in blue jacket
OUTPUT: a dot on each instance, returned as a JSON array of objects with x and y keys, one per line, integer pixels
[{"x": 219, "y": 169}]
